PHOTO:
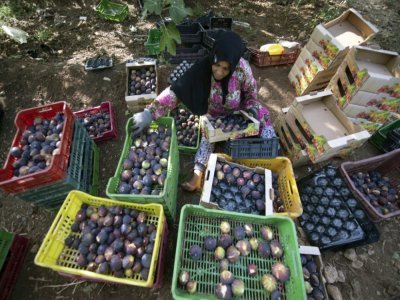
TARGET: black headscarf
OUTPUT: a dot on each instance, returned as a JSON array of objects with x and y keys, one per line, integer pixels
[{"x": 193, "y": 88}]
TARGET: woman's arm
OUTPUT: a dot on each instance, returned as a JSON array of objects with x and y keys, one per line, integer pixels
[{"x": 164, "y": 103}]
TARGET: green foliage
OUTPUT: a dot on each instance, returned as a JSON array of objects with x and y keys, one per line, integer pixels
[
  {"x": 5, "y": 13},
  {"x": 15, "y": 9},
  {"x": 43, "y": 35},
  {"x": 326, "y": 13},
  {"x": 177, "y": 12}
]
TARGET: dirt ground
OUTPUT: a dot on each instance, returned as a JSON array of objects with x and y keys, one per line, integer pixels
[{"x": 50, "y": 70}]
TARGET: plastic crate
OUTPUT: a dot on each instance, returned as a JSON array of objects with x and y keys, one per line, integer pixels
[
  {"x": 379, "y": 138},
  {"x": 252, "y": 148},
  {"x": 167, "y": 196},
  {"x": 12, "y": 266},
  {"x": 152, "y": 45},
  {"x": 6, "y": 239},
  {"x": 54, "y": 255},
  {"x": 103, "y": 107},
  {"x": 112, "y": 11},
  {"x": 59, "y": 162},
  {"x": 191, "y": 32},
  {"x": 264, "y": 59},
  {"x": 191, "y": 54},
  {"x": 221, "y": 22},
  {"x": 197, "y": 222},
  {"x": 208, "y": 41},
  {"x": 78, "y": 175},
  {"x": 387, "y": 165},
  {"x": 286, "y": 182}
]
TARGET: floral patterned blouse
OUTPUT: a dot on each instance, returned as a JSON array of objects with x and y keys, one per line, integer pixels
[{"x": 242, "y": 95}]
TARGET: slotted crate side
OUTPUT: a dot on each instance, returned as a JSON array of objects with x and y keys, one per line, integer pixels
[
  {"x": 59, "y": 162},
  {"x": 54, "y": 255},
  {"x": 264, "y": 59},
  {"x": 252, "y": 148},
  {"x": 197, "y": 222},
  {"x": 167, "y": 197}
]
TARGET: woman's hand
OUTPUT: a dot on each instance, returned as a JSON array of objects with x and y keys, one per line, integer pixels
[{"x": 141, "y": 120}]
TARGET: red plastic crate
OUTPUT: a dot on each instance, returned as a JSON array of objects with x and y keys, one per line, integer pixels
[
  {"x": 59, "y": 162},
  {"x": 263, "y": 59},
  {"x": 159, "y": 278},
  {"x": 104, "y": 106},
  {"x": 12, "y": 266}
]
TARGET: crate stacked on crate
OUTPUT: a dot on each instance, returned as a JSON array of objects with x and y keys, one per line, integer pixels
[
  {"x": 321, "y": 128},
  {"x": 99, "y": 121},
  {"x": 13, "y": 249},
  {"x": 67, "y": 249},
  {"x": 325, "y": 50},
  {"x": 44, "y": 174},
  {"x": 246, "y": 272},
  {"x": 332, "y": 216},
  {"x": 141, "y": 83},
  {"x": 387, "y": 138},
  {"x": 148, "y": 168},
  {"x": 367, "y": 85}
]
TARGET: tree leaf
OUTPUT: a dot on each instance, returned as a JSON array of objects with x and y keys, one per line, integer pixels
[
  {"x": 153, "y": 6},
  {"x": 173, "y": 32},
  {"x": 167, "y": 40},
  {"x": 178, "y": 11}
]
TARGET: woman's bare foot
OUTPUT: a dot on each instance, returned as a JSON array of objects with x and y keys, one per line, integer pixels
[{"x": 193, "y": 184}]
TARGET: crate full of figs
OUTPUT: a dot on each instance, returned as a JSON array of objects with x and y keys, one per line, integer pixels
[
  {"x": 104, "y": 240},
  {"x": 237, "y": 188},
  {"x": 141, "y": 84},
  {"x": 237, "y": 125},
  {"x": 225, "y": 255},
  {"x": 187, "y": 129}
]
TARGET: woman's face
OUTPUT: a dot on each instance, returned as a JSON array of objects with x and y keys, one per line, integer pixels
[{"x": 220, "y": 70}]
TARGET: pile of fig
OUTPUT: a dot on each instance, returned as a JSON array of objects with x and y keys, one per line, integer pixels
[
  {"x": 142, "y": 81},
  {"x": 232, "y": 245},
  {"x": 378, "y": 190},
  {"x": 39, "y": 142},
  {"x": 312, "y": 279},
  {"x": 113, "y": 240},
  {"x": 145, "y": 167},
  {"x": 278, "y": 202},
  {"x": 187, "y": 127},
  {"x": 237, "y": 189},
  {"x": 96, "y": 123},
  {"x": 229, "y": 123},
  {"x": 179, "y": 71}
]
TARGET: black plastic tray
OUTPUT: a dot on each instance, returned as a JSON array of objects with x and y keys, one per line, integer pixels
[
  {"x": 179, "y": 71},
  {"x": 326, "y": 198},
  {"x": 98, "y": 63}
]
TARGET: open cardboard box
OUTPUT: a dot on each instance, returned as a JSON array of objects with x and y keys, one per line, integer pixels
[
  {"x": 321, "y": 123},
  {"x": 347, "y": 30},
  {"x": 311, "y": 62},
  {"x": 209, "y": 177},
  {"x": 371, "y": 127},
  {"x": 371, "y": 99},
  {"x": 217, "y": 135},
  {"x": 325, "y": 58},
  {"x": 137, "y": 102},
  {"x": 370, "y": 113}
]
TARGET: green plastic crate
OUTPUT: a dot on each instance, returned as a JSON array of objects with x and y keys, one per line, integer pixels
[
  {"x": 167, "y": 197},
  {"x": 378, "y": 139},
  {"x": 112, "y": 11},
  {"x": 79, "y": 176},
  {"x": 6, "y": 240},
  {"x": 152, "y": 45},
  {"x": 197, "y": 222}
]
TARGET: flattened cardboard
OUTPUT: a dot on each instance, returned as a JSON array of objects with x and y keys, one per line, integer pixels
[
  {"x": 217, "y": 135},
  {"x": 209, "y": 176}
]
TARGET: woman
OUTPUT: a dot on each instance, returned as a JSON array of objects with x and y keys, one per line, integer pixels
[{"x": 218, "y": 85}]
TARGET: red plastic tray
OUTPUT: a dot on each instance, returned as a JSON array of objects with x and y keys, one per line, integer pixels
[
  {"x": 159, "y": 280},
  {"x": 263, "y": 59},
  {"x": 59, "y": 162},
  {"x": 12, "y": 266},
  {"x": 104, "y": 106}
]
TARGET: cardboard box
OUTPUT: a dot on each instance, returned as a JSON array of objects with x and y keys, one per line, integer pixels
[
  {"x": 217, "y": 135},
  {"x": 371, "y": 127},
  {"x": 209, "y": 177},
  {"x": 381, "y": 101},
  {"x": 138, "y": 102},
  {"x": 290, "y": 146},
  {"x": 347, "y": 30},
  {"x": 370, "y": 113},
  {"x": 323, "y": 126},
  {"x": 310, "y": 61}
]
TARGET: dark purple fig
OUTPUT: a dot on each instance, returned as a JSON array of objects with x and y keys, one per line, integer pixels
[
  {"x": 225, "y": 241},
  {"x": 127, "y": 261},
  {"x": 103, "y": 268},
  {"x": 195, "y": 252},
  {"x": 146, "y": 260},
  {"x": 137, "y": 267},
  {"x": 117, "y": 245},
  {"x": 223, "y": 291},
  {"x": 16, "y": 152},
  {"x": 311, "y": 266},
  {"x": 210, "y": 243},
  {"x": 238, "y": 287},
  {"x": 115, "y": 263},
  {"x": 280, "y": 271},
  {"x": 101, "y": 249},
  {"x": 236, "y": 172},
  {"x": 145, "y": 273},
  {"x": 141, "y": 218},
  {"x": 276, "y": 249},
  {"x": 227, "y": 169},
  {"x": 232, "y": 254},
  {"x": 247, "y": 175},
  {"x": 230, "y": 179},
  {"x": 240, "y": 181},
  {"x": 223, "y": 265},
  {"x": 306, "y": 273},
  {"x": 314, "y": 280},
  {"x": 128, "y": 164},
  {"x": 264, "y": 250},
  {"x": 226, "y": 277},
  {"x": 81, "y": 260},
  {"x": 219, "y": 253},
  {"x": 276, "y": 295},
  {"x": 80, "y": 216},
  {"x": 108, "y": 253},
  {"x": 256, "y": 178},
  {"x": 87, "y": 239},
  {"x": 252, "y": 270},
  {"x": 239, "y": 233},
  {"x": 245, "y": 190},
  {"x": 269, "y": 283},
  {"x": 102, "y": 211},
  {"x": 267, "y": 233}
]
